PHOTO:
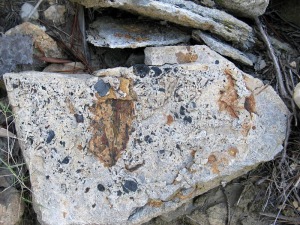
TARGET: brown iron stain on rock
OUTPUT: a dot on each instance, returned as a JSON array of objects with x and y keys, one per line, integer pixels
[
  {"x": 212, "y": 159},
  {"x": 111, "y": 126},
  {"x": 249, "y": 104},
  {"x": 155, "y": 203},
  {"x": 186, "y": 57},
  {"x": 233, "y": 151},
  {"x": 228, "y": 100},
  {"x": 170, "y": 119}
]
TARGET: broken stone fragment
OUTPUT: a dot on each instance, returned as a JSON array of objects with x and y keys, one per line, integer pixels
[
  {"x": 14, "y": 49},
  {"x": 55, "y": 14},
  {"x": 129, "y": 33},
  {"x": 157, "y": 56},
  {"x": 26, "y": 10},
  {"x": 139, "y": 142},
  {"x": 44, "y": 45},
  {"x": 243, "y": 8},
  {"x": 185, "y": 13},
  {"x": 222, "y": 48},
  {"x": 296, "y": 95}
]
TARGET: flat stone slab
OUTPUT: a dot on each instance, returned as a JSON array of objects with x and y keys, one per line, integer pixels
[
  {"x": 134, "y": 143},
  {"x": 129, "y": 33},
  {"x": 185, "y": 13},
  {"x": 222, "y": 48}
]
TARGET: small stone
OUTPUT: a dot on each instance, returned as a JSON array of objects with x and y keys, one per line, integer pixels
[
  {"x": 26, "y": 10},
  {"x": 56, "y": 14},
  {"x": 217, "y": 214},
  {"x": 102, "y": 88},
  {"x": 293, "y": 64},
  {"x": 70, "y": 68},
  {"x": 296, "y": 95}
]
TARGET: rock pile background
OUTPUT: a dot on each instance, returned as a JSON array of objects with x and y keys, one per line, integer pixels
[{"x": 78, "y": 40}]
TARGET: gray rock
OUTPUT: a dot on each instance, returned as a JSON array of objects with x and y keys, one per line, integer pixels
[
  {"x": 15, "y": 49},
  {"x": 296, "y": 95},
  {"x": 11, "y": 204},
  {"x": 129, "y": 33},
  {"x": 26, "y": 10},
  {"x": 222, "y": 48},
  {"x": 56, "y": 14},
  {"x": 185, "y": 13},
  {"x": 159, "y": 137},
  {"x": 243, "y": 8}
]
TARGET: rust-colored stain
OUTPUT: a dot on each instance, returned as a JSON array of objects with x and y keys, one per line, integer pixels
[
  {"x": 155, "y": 203},
  {"x": 228, "y": 100},
  {"x": 79, "y": 147},
  {"x": 246, "y": 127},
  {"x": 212, "y": 159},
  {"x": 64, "y": 214},
  {"x": 170, "y": 119},
  {"x": 186, "y": 57},
  {"x": 249, "y": 104},
  {"x": 131, "y": 37},
  {"x": 233, "y": 151},
  {"x": 111, "y": 124},
  {"x": 111, "y": 129}
]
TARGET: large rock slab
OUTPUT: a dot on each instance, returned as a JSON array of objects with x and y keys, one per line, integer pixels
[
  {"x": 252, "y": 8},
  {"x": 138, "y": 142},
  {"x": 130, "y": 33},
  {"x": 185, "y": 13}
]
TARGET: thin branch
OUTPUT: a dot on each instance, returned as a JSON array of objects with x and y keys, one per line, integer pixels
[{"x": 274, "y": 58}]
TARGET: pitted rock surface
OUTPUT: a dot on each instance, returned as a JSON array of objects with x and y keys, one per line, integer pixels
[
  {"x": 130, "y": 33},
  {"x": 134, "y": 143},
  {"x": 185, "y": 13}
]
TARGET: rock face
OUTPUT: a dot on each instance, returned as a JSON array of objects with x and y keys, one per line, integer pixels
[
  {"x": 252, "y": 8},
  {"x": 185, "y": 13},
  {"x": 129, "y": 33},
  {"x": 134, "y": 143}
]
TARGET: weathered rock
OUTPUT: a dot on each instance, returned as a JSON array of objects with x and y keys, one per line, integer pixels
[
  {"x": 14, "y": 50},
  {"x": 56, "y": 14},
  {"x": 44, "y": 45},
  {"x": 129, "y": 33},
  {"x": 71, "y": 68},
  {"x": 222, "y": 48},
  {"x": 157, "y": 56},
  {"x": 243, "y": 8},
  {"x": 26, "y": 10},
  {"x": 138, "y": 142},
  {"x": 11, "y": 205},
  {"x": 185, "y": 13}
]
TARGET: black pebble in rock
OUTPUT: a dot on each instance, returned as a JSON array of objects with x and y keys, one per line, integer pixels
[
  {"x": 129, "y": 185},
  {"x": 100, "y": 187},
  {"x": 79, "y": 118},
  {"x": 66, "y": 160},
  {"x": 51, "y": 135},
  {"x": 157, "y": 71},
  {"x": 187, "y": 119},
  {"x": 148, "y": 139},
  {"x": 141, "y": 70},
  {"x": 102, "y": 88}
]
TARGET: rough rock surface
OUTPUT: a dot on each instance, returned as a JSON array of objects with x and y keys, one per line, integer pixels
[
  {"x": 14, "y": 49},
  {"x": 130, "y": 33},
  {"x": 185, "y": 13},
  {"x": 138, "y": 142},
  {"x": 56, "y": 14},
  {"x": 11, "y": 204},
  {"x": 222, "y": 48},
  {"x": 252, "y": 8},
  {"x": 44, "y": 45}
]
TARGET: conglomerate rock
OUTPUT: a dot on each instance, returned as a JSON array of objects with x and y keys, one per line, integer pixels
[
  {"x": 134, "y": 143},
  {"x": 185, "y": 13}
]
